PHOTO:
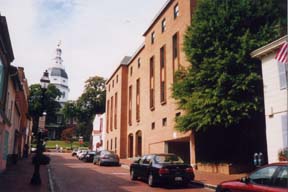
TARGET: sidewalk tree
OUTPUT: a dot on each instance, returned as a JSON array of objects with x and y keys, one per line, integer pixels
[
  {"x": 39, "y": 101},
  {"x": 223, "y": 86}
]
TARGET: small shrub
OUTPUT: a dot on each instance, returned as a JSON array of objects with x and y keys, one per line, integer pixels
[{"x": 283, "y": 154}]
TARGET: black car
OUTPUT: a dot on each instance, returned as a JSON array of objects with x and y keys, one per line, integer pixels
[
  {"x": 160, "y": 168},
  {"x": 89, "y": 156}
]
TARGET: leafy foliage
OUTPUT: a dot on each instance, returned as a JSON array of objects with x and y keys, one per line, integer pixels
[
  {"x": 91, "y": 102},
  {"x": 224, "y": 84},
  {"x": 40, "y": 101}
]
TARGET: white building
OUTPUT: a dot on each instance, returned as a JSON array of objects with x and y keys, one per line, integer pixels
[
  {"x": 58, "y": 76},
  {"x": 98, "y": 132},
  {"x": 275, "y": 97}
]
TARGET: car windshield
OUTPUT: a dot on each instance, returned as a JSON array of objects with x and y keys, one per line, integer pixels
[{"x": 168, "y": 159}]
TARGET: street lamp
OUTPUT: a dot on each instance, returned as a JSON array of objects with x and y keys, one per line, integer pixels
[{"x": 39, "y": 158}]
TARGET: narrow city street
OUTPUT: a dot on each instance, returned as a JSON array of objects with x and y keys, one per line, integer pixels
[{"x": 71, "y": 174}]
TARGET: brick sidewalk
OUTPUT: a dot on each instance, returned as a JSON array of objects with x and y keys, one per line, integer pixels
[
  {"x": 16, "y": 178},
  {"x": 207, "y": 179}
]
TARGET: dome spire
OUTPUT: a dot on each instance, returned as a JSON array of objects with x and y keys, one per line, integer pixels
[{"x": 58, "y": 58}]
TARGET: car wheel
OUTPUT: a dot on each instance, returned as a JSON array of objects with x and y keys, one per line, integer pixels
[
  {"x": 100, "y": 163},
  {"x": 151, "y": 180},
  {"x": 132, "y": 175}
]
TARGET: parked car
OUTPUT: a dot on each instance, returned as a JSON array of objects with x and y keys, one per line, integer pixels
[
  {"x": 160, "y": 168},
  {"x": 106, "y": 157},
  {"x": 82, "y": 154},
  {"x": 89, "y": 156},
  {"x": 80, "y": 150},
  {"x": 272, "y": 177},
  {"x": 74, "y": 151}
]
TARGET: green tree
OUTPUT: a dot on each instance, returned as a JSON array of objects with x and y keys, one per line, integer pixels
[
  {"x": 42, "y": 101},
  {"x": 223, "y": 86},
  {"x": 91, "y": 102},
  {"x": 70, "y": 110}
]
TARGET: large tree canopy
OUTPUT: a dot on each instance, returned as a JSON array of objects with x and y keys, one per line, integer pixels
[
  {"x": 41, "y": 100},
  {"x": 91, "y": 102},
  {"x": 224, "y": 84}
]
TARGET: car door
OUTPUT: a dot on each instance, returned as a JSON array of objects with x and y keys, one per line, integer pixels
[
  {"x": 146, "y": 166},
  {"x": 262, "y": 180},
  {"x": 141, "y": 168},
  {"x": 280, "y": 181}
]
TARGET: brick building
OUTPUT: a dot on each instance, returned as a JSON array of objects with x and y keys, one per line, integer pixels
[
  {"x": 139, "y": 106},
  {"x": 6, "y": 57}
]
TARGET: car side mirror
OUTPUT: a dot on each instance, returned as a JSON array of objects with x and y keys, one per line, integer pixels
[{"x": 245, "y": 180}]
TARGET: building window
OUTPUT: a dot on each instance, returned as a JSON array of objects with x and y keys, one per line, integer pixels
[
  {"x": 115, "y": 111},
  {"x": 113, "y": 84},
  {"x": 163, "y": 28},
  {"x": 178, "y": 114},
  {"x": 139, "y": 62},
  {"x": 111, "y": 115},
  {"x": 115, "y": 144},
  {"x": 153, "y": 125},
  {"x": 175, "y": 45},
  {"x": 130, "y": 106},
  {"x": 176, "y": 11},
  {"x": 138, "y": 100},
  {"x": 107, "y": 147},
  {"x": 131, "y": 71},
  {"x": 282, "y": 75},
  {"x": 162, "y": 75},
  {"x": 164, "y": 122},
  {"x": 152, "y": 84},
  {"x": 101, "y": 125},
  {"x": 108, "y": 117},
  {"x": 175, "y": 53},
  {"x": 117, "y": 79},
  {"x": 111, "y": 144},
  {"x": 152, "y": 37}
]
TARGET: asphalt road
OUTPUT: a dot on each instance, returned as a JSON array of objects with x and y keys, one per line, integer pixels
[{"x": 70, "y": 174}]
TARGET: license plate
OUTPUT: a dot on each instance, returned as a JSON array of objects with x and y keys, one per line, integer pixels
[{"x": 178, "y": 178}]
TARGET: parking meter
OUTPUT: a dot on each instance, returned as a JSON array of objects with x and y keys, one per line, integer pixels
[
  {"x": 255, "y": 159},
  {"x": 260, "y": 159}
]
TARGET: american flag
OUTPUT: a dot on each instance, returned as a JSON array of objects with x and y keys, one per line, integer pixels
[{"x": 281, "y": 55}]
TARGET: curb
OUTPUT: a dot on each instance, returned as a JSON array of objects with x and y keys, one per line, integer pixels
[
  {"x": 51, "y": 184},
  {"x": 210, "y": 186}
]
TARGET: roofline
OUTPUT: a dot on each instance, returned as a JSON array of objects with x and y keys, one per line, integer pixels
[
  {"x": 6, "y": 41},
  {"x": 155, "y": 19},
  {"x": 137, "y": 52},
  {"x": 258, "y": 53},
  {"x": 121, "y": 65}
]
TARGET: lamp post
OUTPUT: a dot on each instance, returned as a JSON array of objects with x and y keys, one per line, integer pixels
[{"x": 36, "y": 180}]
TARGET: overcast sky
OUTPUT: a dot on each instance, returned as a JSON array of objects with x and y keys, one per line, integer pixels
[{"x": 95, "y": 35}]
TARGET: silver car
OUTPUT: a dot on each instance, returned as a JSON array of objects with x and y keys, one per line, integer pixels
[{"x": 106, "y": 158}]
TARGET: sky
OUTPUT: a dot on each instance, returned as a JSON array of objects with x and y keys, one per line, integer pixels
[{"x": 95, "y": 35}]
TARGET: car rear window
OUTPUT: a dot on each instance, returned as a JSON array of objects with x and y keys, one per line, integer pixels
[{"x": 168, "y": 159}]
